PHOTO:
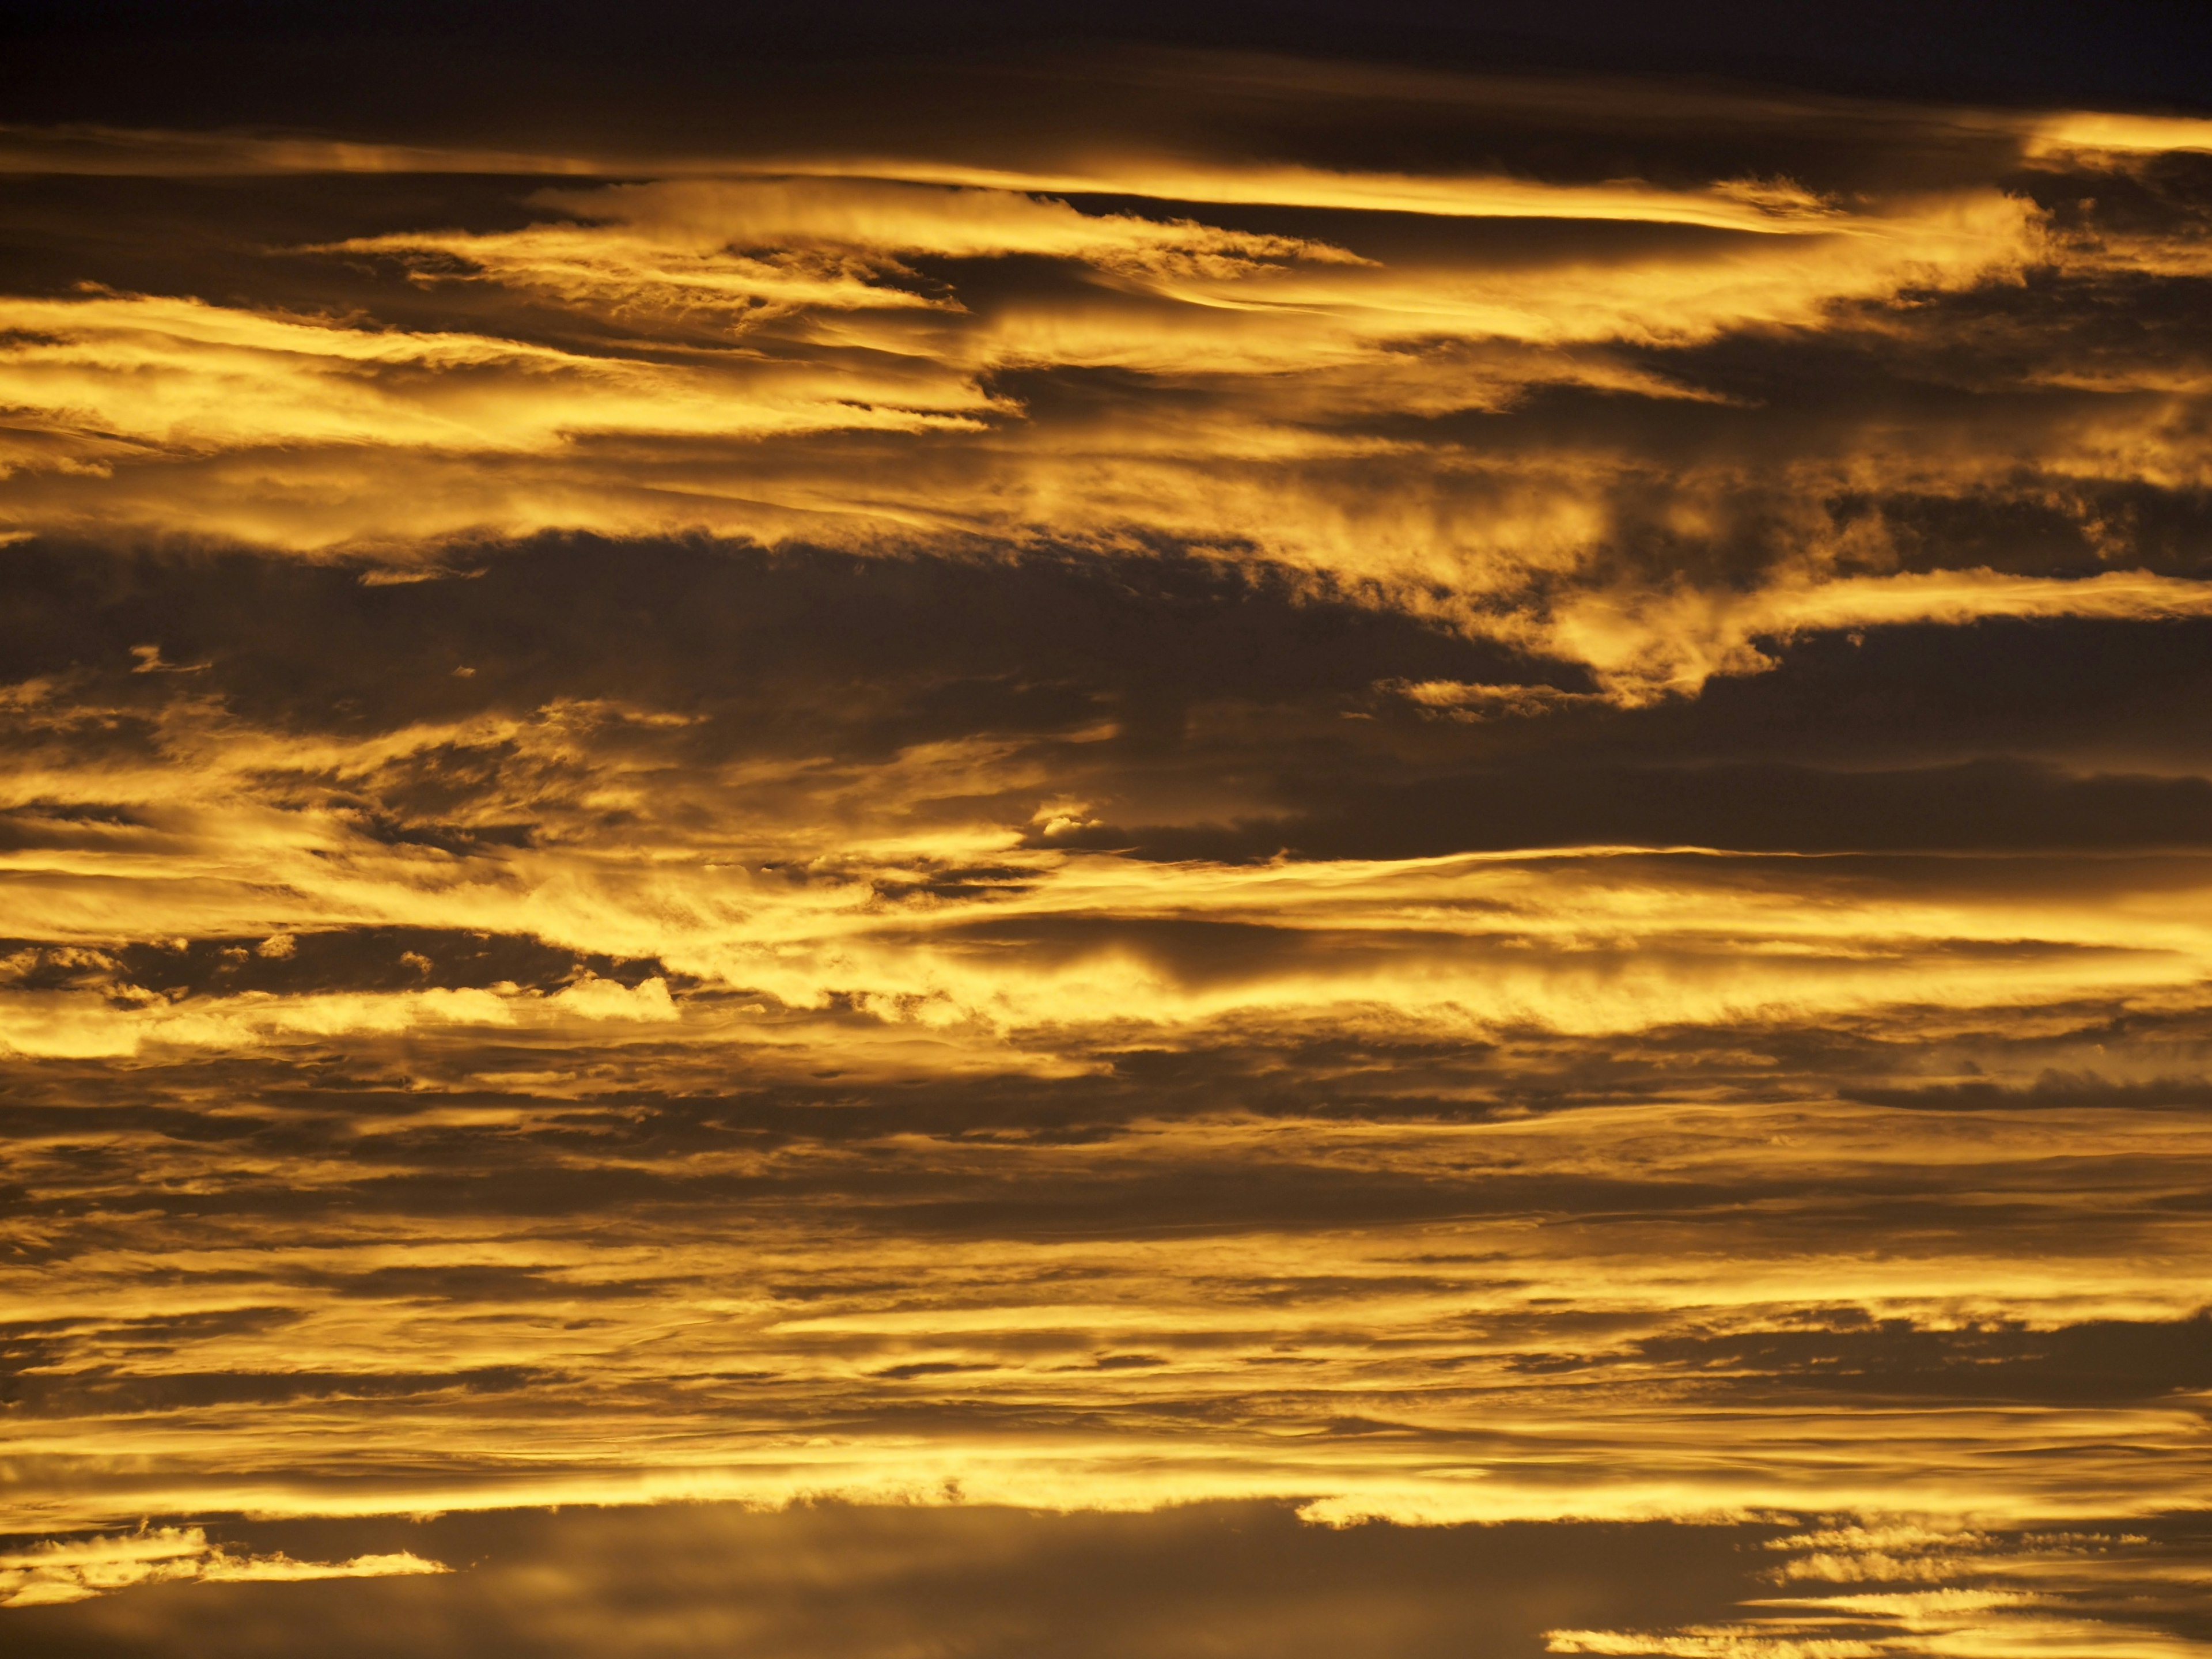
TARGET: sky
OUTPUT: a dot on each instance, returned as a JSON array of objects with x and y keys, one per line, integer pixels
[{"x": 869, "y": 835}]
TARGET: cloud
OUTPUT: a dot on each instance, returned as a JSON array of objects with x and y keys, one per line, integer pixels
[
  {"x": 601, "y": 998},
  {"x": 893, "y": 849},
  {"x": 72, "y": 1570},
  {"x": 855, "y": 215},
  {"x": 838, "y": 1580},
  {"x": 1371, "y": 795},
  {"x": 2052, "y": 1589},
  {"x": 895, "y": 354},
  {"x": 689, "y": 1579},
  {"x": 110, "y": 373},
  {"x": 2094, "y": 131}
]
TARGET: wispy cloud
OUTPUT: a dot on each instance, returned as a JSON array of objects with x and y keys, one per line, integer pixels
[
  {"x": 70, "y": 1569},
  {"x": 1376, "y": 796}
]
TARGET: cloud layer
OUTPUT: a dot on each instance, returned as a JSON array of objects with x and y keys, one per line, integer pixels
[
  {"x": 1638, "y": 426},
  {"x": 1236, "y": 790}
]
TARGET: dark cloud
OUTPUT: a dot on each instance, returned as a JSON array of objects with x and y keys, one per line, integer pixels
[
  {"x": 2102, "y": 1362},
  {"x": 832, "y": 1580},
  {"x": 81, "y": 1393},
  {"x": 858, "y": 651},
  {"x": 837, "y": 1580},
  {"x": 1983, "y": 806},
  {"x": 371, "y": 959}
]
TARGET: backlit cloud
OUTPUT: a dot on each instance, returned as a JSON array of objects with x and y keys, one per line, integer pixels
[
  {"x": 953, "y": 826},
  {"x": 72, "y": 1570}
]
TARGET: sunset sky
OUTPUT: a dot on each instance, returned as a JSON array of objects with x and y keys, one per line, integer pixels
[{"x": 1320, "y": 832}]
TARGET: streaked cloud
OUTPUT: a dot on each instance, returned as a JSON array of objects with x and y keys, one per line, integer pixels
[
  {"x": 72, "y": 1570},
  {"x": 663, "y": 332},
  {"x": 1462, "y": 818}
]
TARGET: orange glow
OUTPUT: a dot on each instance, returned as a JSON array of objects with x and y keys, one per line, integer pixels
[{"x": 1398, "y": 796}]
